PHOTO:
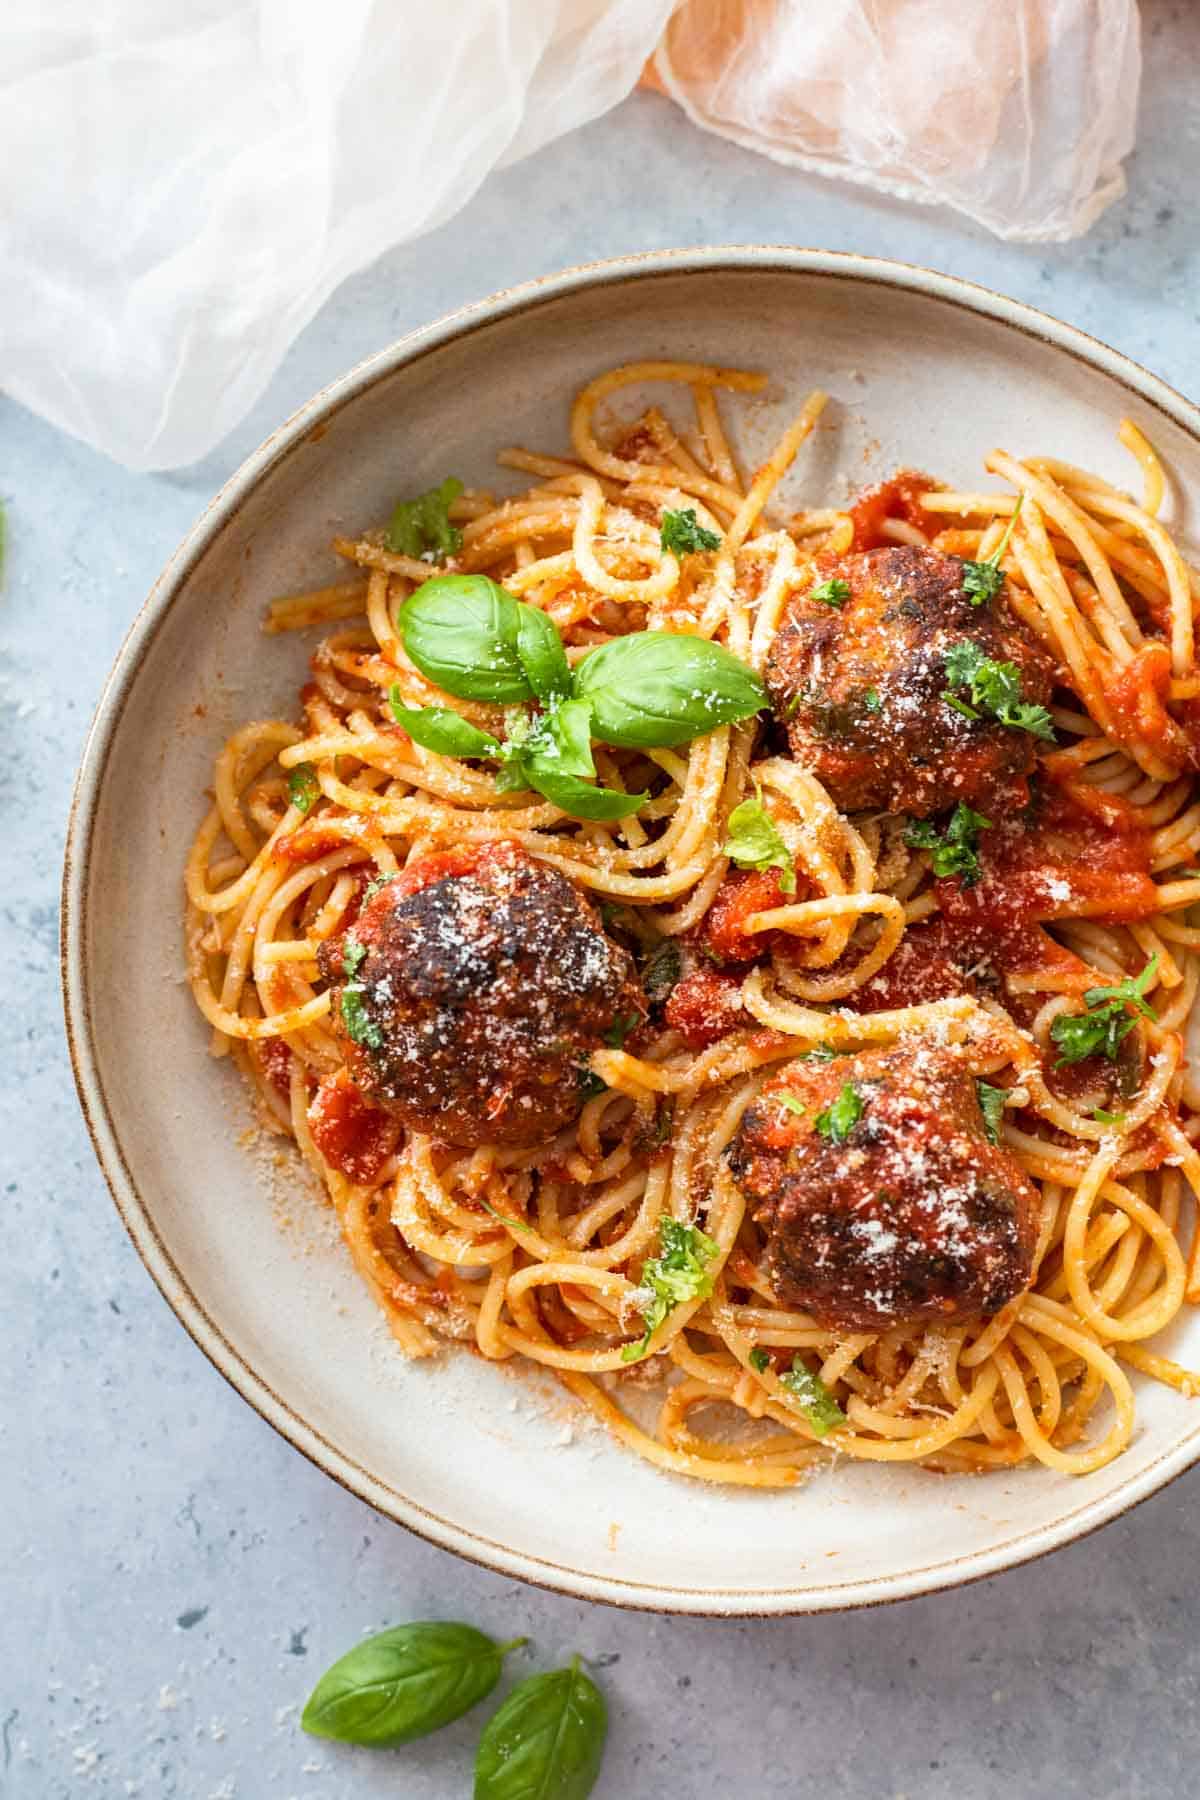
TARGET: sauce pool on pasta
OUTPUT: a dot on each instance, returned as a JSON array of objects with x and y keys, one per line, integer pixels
[{"x": 738, "y": 959}]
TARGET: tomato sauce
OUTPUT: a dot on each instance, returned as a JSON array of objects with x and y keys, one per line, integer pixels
[
  {"x": 1059, "y": 867},
  {"x": 353, "y": 1136},
  {"x": 723, "y": 934},
  {"x": 705, "y": 1007},
  {"x": 1137, "y": 697},
  {"x": 897, "y": 498}
]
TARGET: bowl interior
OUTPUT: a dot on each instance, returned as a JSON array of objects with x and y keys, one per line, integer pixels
[{"x": 486, "y": 1460}]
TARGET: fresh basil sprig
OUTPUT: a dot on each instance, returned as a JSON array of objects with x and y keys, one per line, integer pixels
[
  {"x": 646, "y": 691},
  {"x": 403, "y": 1683},
  {"x": 546, "y": 1742}
]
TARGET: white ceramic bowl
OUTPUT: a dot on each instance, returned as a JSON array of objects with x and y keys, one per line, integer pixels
[{"x": 924, "y": 370}]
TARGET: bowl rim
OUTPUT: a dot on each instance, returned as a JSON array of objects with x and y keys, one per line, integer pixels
[{"x": 137, "y": 1213}]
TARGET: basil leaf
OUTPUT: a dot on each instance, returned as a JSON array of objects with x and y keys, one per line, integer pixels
[
  {"x": 562, "y": 738},
  {"x": 656, "y": 688},
  {"x": 541, "y": 652},
  {"x": 462, "y": 633},
  {"x": 581, "y": 799},
  {"x": 404, "y": 1683},
  {"x": 440, "y": 728},
  {"x": 421, "y": 527},
  {"x": 754, "y": 841},
  {"x": 546, "y": 1742}
]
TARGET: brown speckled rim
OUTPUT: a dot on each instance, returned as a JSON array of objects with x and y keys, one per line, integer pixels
[{"x": 137, "y": 1210}]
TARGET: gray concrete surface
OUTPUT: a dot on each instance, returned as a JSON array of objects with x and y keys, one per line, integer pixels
[{"x": 175, "y": 1575}]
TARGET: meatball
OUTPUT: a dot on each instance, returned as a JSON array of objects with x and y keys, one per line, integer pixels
[
  {"x": 469, "y": 991},
  {"x": 892, "y": 1209},
  {"x": 859, "y": 687}
]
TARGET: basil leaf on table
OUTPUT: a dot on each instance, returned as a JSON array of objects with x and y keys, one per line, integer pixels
[
  {"x": 440, "y": 728},
  {"x": 404, "y": 1683},
  {"x": 546, "y": 1742},
  {"x": 462, "y": 632},
  {"x": 540, "y": 649},
  {"x": 656, "y": 688},
  {"x": 581, "y": 799}
]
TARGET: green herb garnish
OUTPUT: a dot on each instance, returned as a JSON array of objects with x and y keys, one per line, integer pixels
[
  {"x": 677, "y": 1275},
  {"x": 983, "y": 580},
  {"x": 1108, "y": 1118},
  {"x": 790, "y": 1103},
  {"x": 352, "y": 956},
  {"x": 663, "y": 970},
  {"x": 991, "y": 1105},
  {"x": 760, "y": 1362},
  {"x": 683, "y": 535},
  {"x": 403, "y": 1683},
  {"x": 421, "y": 527},
  {"x": 872, "y": 700},
  {"x": 838, "y": 1119},
  {"x": 303, "y": 788},
  {"x": 1101, "y": 1030},
  {"x": 354, "y": 1017},
  {"x": 834, "y": 592},
  {"x": 995, "y": 691},
  {"x": 546, "y": 1742},
  {"x": 955, "y": 853},
  {"x": 620, "y": 1029},
  {"x": 815, "y": 1400},
  {"x": 754, "y": 841},
  {"x": 374, "y": 886},
  {"x": 645, "y": 691}
]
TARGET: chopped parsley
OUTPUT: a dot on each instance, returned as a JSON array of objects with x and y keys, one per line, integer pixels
[
  {"x": 831, "y": 593},
  {"x": 790, "y": 1103},
  {"x": 590, "y": 1085},
  {"x": 678, "y": 1274},
  {"x": 352, "y": 955},
  {"x": 354, "y": 1017},
  {"x": 955, "y": 853},
  {"x": 842, "y": 1115},
  {"x": 421, "y": 527},
  {"x": 991, "y": 1105},
  {"x": 303, "y": 788},
  {"x": 683, "y": 535},
  {"x": 620, "y": 1029},
  {"x": 995, "y": 691},
  {"x": 760, "y": 1362},
  {"x": 816, "y": 1402},
  {"x": 983, "y": 580},
  {"x": 1101, "y": 1030},
  {"x": 662, "y": 971},
  {"x": 1108, "y": 1118},
  {"x": 873, "y": 700},
  {"x": 820, "y": 1053},
  {"x": 755, "y": 843},
  {"x": 375, "y": 885}
]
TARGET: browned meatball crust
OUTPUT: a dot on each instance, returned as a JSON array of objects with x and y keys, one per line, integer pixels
[
  {"x": 913, "y": 1216},
  {"x": 470, "y": 990},
  {"x": 860, "y": 686}
]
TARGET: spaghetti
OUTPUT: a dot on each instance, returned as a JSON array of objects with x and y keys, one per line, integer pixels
[{"x": 548, "y": 1252}]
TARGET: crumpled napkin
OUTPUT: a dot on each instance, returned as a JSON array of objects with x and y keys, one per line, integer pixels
[{"x": 188, "y": 180}]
